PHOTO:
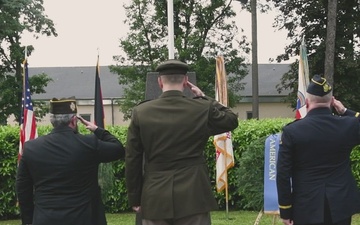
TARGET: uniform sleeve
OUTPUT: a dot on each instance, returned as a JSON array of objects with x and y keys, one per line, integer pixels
[
  {"x": 24, "y": 191},
  {"x": 283, "y": 177},
  {"x": 108, "y": 146},
  {"x": 352, "y": 113},
  {"x": 221, "y": 118},
  {"x": 134, "y": 162},
  {"x": 349, "y": 112}
]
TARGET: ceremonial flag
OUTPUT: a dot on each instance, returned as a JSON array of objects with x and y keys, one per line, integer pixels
[
  {"x": 303, "y": 82},
  {"x": 28, "y": 129},
  {"x": 99, "y": 108},
  {"x": 105, "y": 172},
  {"x": 222, "y": 142}
]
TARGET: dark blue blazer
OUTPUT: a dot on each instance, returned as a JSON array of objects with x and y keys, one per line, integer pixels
[{"x": 314, "y": 164}]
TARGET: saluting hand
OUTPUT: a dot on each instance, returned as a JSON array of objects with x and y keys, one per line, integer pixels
[
  {"x": 195, "y": 89},
  {"x": 90, "y": 126},
  {"x": 339, "y": 107},
  {"x": 137, "y": 208}
]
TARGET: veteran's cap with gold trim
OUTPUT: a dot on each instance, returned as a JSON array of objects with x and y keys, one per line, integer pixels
[
  {"x": 171, "y": 67},
  {"x": 319, "y": 86},
  {"x": 63, "y": 106}
]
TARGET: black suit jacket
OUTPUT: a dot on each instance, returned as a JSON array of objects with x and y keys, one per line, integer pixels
[
  {"x": 57, "y": 179},
  {"x": 314, "y": 164}
]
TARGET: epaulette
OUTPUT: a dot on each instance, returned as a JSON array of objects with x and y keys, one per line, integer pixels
[
  {"x": 143, "y": 101},
  {"x": 200, "y": 97},
  {"x": 292, "y": 122}
]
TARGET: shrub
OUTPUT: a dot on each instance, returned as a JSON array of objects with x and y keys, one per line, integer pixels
[{"x": 245, "y": 180}]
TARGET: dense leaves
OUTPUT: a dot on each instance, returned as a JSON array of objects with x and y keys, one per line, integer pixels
[
  {"x": 245, "y": 179},
  {"x": 17, "y": 17},
  {"x": 308, "y": 18},
  {"x": 202, "y": 30}
]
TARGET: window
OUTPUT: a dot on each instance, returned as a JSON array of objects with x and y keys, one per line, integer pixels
[
  {"x": 86, "y": 116},
  {"x": 249, "y": 115}
]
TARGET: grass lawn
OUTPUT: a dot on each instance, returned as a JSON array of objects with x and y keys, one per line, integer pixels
[{"x": 218, "y": 218}]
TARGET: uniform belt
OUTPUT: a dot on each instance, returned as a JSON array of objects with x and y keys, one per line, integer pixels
[{"x": 151, "y": 167}]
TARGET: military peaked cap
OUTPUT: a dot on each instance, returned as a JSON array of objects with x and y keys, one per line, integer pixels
[
  {"x": 319, "y": 86},
  {"x": 63, "y": 106},
  {"x": 171, "y": 67}
]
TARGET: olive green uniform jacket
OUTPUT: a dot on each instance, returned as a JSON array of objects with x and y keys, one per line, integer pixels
[{"x": 170, "y": 135}]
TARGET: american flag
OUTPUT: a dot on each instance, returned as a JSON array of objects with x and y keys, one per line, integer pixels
[{"x": 27, "y": 123}]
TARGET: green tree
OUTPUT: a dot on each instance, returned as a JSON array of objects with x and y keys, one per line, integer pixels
[
  {"x": 18, "y": 16},
  {"x": 309, "y": 18},
  {"x": 202, "y": 30}
]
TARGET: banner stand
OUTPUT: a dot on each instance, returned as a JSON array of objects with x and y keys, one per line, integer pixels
[
  {"x": 271, "y": 206},
  {"x": 261, "y": 213}
]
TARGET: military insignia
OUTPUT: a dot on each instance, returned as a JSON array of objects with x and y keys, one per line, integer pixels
[
  {"x": 326, "y": 87},
  {"x": 72, "y": 107}
]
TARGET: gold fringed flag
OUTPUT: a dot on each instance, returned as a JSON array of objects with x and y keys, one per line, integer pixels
[{"x": 222, "y": 142}]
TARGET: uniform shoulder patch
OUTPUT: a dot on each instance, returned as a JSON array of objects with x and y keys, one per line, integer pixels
[{"x": 144, "y": 101}]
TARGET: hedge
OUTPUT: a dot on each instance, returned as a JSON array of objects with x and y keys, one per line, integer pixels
[{"x": 245, "y": 180}]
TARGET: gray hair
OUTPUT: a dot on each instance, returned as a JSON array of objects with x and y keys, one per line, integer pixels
[
  {"x": 320, "y": 99},
  {"x": 173, "y": 79},
  {"x": 61, "y": 119}
]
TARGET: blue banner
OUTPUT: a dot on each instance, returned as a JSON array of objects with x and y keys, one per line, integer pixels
[{"x": 271, "y": 205}]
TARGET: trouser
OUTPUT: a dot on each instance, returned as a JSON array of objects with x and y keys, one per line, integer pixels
[
  {"x": 327, "y": 217},
  {"x": 197, "y": 219}
]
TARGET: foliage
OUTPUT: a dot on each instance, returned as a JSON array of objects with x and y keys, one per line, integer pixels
[
  {"x": 247, "y": 143},
  {"x": 9, "y": 146},
  {"x": 355, "y": 163},
  {"x": 201, "y": 31},
  {"x": 17, "y": 17},
  {"x": 250, "y": 181},
  {"x": 308, "y": 18},
  {"x": 245, "y": 178}
]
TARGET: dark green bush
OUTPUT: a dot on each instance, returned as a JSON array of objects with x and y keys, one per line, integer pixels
[
  {"x": 9, "y": 148},
  {"x": 245, "y": 179}
]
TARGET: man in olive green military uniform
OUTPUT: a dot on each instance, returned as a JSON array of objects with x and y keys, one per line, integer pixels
[
  {"x": 314, "y": 179},
  {"x": 170, "y": 134}
]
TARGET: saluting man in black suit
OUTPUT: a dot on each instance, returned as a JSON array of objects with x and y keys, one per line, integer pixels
[
  {"x": 57, "y": 179},
  {"x": 171, "y": 132},
  {"x": 314, "y": 178}
]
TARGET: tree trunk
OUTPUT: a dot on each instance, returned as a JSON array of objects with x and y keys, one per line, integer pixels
[{"x": 330, "y": 41}]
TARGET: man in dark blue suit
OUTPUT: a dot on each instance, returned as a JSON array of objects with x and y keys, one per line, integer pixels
[
  {"x": 314, "y": 178},
  {"x": 57, "y": 179}
]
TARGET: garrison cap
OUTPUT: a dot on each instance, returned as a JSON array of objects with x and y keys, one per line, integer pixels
[
  {"x": 171, "y": 67},
  {"x": 63, "y": 106},
  {"x": 319, "y": 86}
]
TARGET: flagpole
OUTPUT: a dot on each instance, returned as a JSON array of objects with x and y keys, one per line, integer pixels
[
  {"x": 226, "y": 184},
  {"x": 170, "y": 14}
]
